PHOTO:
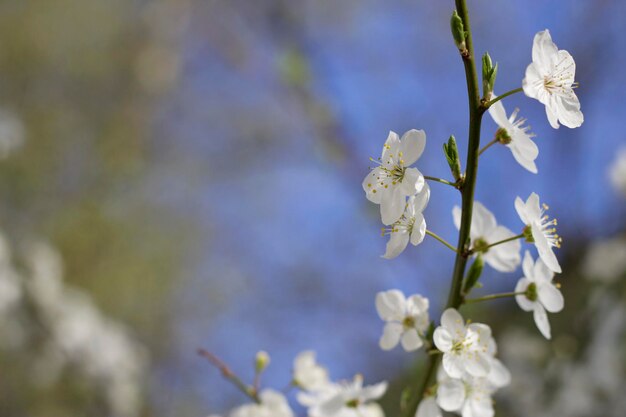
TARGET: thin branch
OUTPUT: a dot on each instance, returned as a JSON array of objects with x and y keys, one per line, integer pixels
[
  {"x": 441, "y": 181},
  {"x": 493, "y": 297},
  {"x": 440, "y": 239},
  {"x": 495, "y": 100},
  {"x": 229, "y": 374},
  {"x": 521, "y": 235}
]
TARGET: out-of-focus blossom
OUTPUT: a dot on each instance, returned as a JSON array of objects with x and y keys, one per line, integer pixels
[
  {"x": 12, "y": 133},
  {"x": 550, "y": 79},
  {"x": 617, "y": 172},
  {"x": 392, "y": 181},
  {"x": 428, "y": 408},
  {"x": 486, "y": 231},
  {"x": 308, "y": 374},
  {"x": 407, "y": 319},
  {"x": 411, "y": 226},
  {"x": 606, "y": 260},
  {"x": 539, "y": 229},
  {"x": 272, "y": 404}
]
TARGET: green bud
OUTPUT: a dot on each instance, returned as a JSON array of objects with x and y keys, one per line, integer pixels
[
  {"x": 489, "y": 76},
  {"x": 452, "y": 156},
  {"x": 471, "y": 279},
  {"x": 261, "y": 361},
  {"x": 458, "y": 31}
]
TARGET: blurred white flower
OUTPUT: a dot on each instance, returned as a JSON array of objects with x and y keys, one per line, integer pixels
[
  {"x": 347, "y": 399},
  {"x": 272, "y": 404},
  {"x": 606, "y": 260},
  {"x": 11, "y": 133},
  {"x": 410, "y": 227},
  {"x": 515, "y": 136},
  {"x": 617, "y": 172},
  {"x": 392, "y": 181},
  {"x": 540, "y": 294},
  {"x": 539, "y": 229},
  {"x": 486, "y": 231},
  {"x": 465, "y": 348},
  {"x": 407, "y": 319},
  {"x": 428, "y": 408},
  {"x": 550, "y": 79},
  {"x": 308, "y": 374},
  {"x": 469, "y": 396}
]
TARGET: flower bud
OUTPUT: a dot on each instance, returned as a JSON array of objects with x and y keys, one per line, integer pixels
[
  {"x": 452, "y": 156},
  {"x": 458, "y": 31},
  {"x": 489, "y": 76},
  {"x": 473, "y": 274},
  {"x": 261, "y": 361}
]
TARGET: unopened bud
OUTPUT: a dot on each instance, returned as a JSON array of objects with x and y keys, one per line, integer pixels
[
  {"x": 458, "y": 31},
  {"x": 489, "y": 76},
  {"x": 261, "y": 361},
  {"x": 452, "y": 156}
]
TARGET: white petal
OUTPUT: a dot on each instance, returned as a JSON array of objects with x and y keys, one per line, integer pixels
[
  {"x": 391, "y": 305},
  {"x": 419, "y": 230},
  {"x": 544, "y": 249},
  {"x": 478, "y": 407},
  {"x": 413, "y": 181},
  {"x": 545, "y": 52},
  {"x": 522, "y": 149},
  {"x": 391, "y": 336},
  {"x": 411, "y": 340},
  {"x": 550, "y": 297},
  {"x": 520, "y": 207},
  {"x": 443, "y": 339},
  {"x": 506, "y": 256},
  {"x": 421, "y": 199},
  {"x": 412, "y": 146},
  {"x": 523, "y": 301},
  {"x": 452, "y": 321},
  {"x": 532, "y": 82},
  {"x": 533, "y": 208},
  {"x": 541, "y": 272},
  {"x": 374, "y": 392},
  {"x": 453, "y": 364},
  {"x": 541, "y": 320},
  {"x": 498, "y": 114},
  {"x": 392, "y": 205},
  {"x": 569, "y": 113},
  {"x": 456, "y": 216},
  {"x": 451, "y": 394},
  {"x": 428, "y": 408},
  {"x": 483, "y": 220},
  {"x": 528, "y": 267},
  {"x": 478, "y": 364},
  {"x": 396, "y": 244},
  {"x": 417, "y": 303},
  {"x": 499, "y": 376},
  {"x": 392, "y": 145},
  {"x": 552, "y": 116},
  {"x": 371, "y": 186}
]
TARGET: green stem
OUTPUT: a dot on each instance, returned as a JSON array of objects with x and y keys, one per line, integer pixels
[
  {"x": 428, "y": 232},
  {"x": 476, "y": 111},
  {"x": 521, "y": 235},
  {"x": 229, "y": 375},
  {"x": 487, "y": 146},
  {"x": 440, "y": 180},
  {"x": 493, "y": 297},
  {"x": 495, "y": 100}
]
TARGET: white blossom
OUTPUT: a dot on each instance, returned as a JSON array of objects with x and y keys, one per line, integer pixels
[
  {"x": 272, "y": 404},
  {"x": 308, "y": 374},
  {"x": 550, "y": 79},
  {"x": 485, "y": 231},
  {"x": 539, "y": 229},
  {"x": 428, "y": 408},
  {"x": 346, "y": 399},
  {"x": 410, "y": 227},
  {"x": 540, "y": 293},
  {"x": 469, "y": 396},
  {"x": 617, "y": 172},
  {"x": 407, "y": 319},
  {"x": 465, "y": 347},
  {"x": 515, "y": 136},
  {"x": 392, "y": 181}
]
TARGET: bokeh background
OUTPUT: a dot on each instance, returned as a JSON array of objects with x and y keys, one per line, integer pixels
[{"x": 186, "y": 173}]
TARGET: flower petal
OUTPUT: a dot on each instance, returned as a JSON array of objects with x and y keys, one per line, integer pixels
[
  {"x": 419, "y": 230},
  {"x": 391, "y": 147},
  {"x": 392, "y": 205},
  {"x": 545, "y": 52},
  {"x": 498, "y": 114},
  {"x": 413, "y": 182},
  {"x": 550, "y": 297},
  {"x": 452, "y": 321},
  {"x": 541, "y": 320},
  {"x": 451, "y": 394},
  {"x": 483, "y": 221},
  {"x": 391, "y": 305},
  {"x": 499, "y": 376},
  {"x": 371, "y": 186},
  {"x": 478, "y": 364},
  {"x": 456, "y": 216},
  {"x": 523, "y": 301},
  {"x": 544, "y": 249},
  {"x": 396, "y": 244},
  {"x": 411, "y": 340},
  {"x": 391, "y": 336},
  {"x": 428, "y": 408},
  {"x": 443, "y": 339},
  {"x": 412, "y": 146}
]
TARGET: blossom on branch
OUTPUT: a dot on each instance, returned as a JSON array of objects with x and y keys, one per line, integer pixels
[
  {"x": 407, "y": 319},
  {"x": 308, "y": 374},
  {"x": 410, "y": 227},
  {"x": 392, "y": 181},
  {"x": 550, "y": 79}
]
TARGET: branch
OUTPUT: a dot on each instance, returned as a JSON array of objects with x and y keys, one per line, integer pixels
[{"x": 229, "y": 374}]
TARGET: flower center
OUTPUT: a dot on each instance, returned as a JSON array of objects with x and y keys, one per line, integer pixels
[
  {"x": 404, "y": 225},
  {"x": 352, "y": 403},
  {"x": 408, "y": 322},
  {"x": 531, "y": 292},
  {"x": 481, "y": 245},
  {"x": 503, "y": 136}
]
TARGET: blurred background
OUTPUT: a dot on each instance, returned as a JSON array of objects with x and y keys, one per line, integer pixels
[{"x": 180, "y": 174}]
